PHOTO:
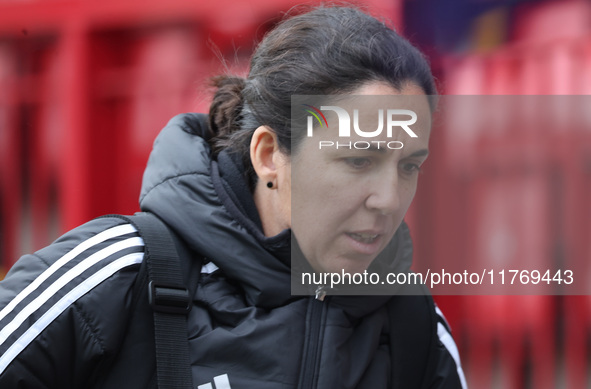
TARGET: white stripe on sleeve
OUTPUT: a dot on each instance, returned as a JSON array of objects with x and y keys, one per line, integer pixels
[
  {"x": 450, "y": 345},
  {"x": 79, "y": 291},
  {"x": 101, "y": 237},
  {"x": 442, "y": 315},
  {"x": 63, "y": 281}
]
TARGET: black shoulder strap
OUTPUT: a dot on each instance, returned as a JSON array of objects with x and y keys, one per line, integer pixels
[{"x": 170, "y": 300}]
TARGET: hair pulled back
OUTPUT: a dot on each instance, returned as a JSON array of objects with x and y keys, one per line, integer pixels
[{"x": 327, "y": 51}]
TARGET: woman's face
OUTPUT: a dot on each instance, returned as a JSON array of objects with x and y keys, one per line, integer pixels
[{"x": 347, "y": 203}]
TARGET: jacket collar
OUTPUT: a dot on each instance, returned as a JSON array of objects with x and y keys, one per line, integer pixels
[{"x": 208, "y": 204}]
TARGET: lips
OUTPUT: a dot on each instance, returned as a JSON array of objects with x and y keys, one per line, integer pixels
[
  {"x": 365, "y": 242},
  {"x": 362, "y": 237}
]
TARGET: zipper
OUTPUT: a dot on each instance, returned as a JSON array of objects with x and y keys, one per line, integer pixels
[
  {"x": 312, "y": 349},
  {"x": 320, "y": 293}
]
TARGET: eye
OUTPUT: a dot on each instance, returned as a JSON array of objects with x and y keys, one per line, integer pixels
[
  {"x": 410, "y": 168},
  {"x": 358, "y": 162}
]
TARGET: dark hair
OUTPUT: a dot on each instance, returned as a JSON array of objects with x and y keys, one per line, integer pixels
[{"x": 327, "y": 51}]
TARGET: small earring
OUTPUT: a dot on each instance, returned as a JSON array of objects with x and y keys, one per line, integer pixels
[{"x": 270, "y": 185}]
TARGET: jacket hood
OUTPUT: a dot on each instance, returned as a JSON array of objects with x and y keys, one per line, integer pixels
[{"x": 187, "y": 189}]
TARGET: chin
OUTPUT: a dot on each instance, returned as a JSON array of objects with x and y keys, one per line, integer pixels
[{"x": 349, "y": 266}]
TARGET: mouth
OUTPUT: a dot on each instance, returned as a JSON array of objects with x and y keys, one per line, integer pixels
[
  {"x": 365, "y": 243},
  {"x": 366, "y": 238}
]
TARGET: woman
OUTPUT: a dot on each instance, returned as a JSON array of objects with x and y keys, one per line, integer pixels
[{"x": 223, "y": 185}]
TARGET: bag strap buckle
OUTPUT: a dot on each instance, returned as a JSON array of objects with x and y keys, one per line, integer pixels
[{"x": 169, "y": 299}]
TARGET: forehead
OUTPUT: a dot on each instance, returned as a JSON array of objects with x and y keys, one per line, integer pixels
[
  {"x": 374, "y": 112},
  {"x": 371, "y": 97}
]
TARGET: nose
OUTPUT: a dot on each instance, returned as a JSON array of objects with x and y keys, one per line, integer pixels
[{"x": 384, "y": 194}]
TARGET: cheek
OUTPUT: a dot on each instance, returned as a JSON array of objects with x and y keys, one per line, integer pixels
[
  {"x": 316, "y": 203},
  {"x": 409, "y": 192}
]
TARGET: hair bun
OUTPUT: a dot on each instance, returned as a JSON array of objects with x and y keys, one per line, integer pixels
[{"x": 226, "y": 105}]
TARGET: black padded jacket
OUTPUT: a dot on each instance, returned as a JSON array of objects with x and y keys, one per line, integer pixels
[{"x": 69, "y": 317}]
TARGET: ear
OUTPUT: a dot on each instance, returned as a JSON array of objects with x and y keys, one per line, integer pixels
[{"x": 263, "y": 147}]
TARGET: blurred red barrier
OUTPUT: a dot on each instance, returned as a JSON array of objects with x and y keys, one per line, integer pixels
[
  {"x": 10, "y": 178},
  {"x": 102, "y": 78},
  {"x": 575, "y": 159},
  {"x": 85, "y": 88},
  {"x": 555, "y": 189}
]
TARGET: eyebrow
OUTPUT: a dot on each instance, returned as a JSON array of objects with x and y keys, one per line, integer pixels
[
  {"x": 416, "y": 154},
  {"x": 420, "y": 153}
]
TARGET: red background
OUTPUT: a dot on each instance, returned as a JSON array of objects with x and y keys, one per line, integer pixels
[{"x": 86, "y": 86}]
